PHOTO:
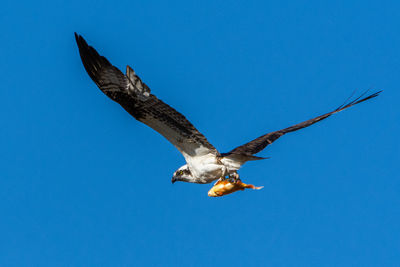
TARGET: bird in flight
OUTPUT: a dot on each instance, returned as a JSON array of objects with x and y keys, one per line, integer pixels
[{"x": 204, "y": 164}]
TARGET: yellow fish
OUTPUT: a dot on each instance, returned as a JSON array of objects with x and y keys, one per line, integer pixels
[{"x": 225, "y": 187}]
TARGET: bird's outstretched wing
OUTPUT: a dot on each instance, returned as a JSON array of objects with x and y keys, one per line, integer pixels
[
  {"x": 261, "y": 142},
  {"x": 135, "y": 97}
]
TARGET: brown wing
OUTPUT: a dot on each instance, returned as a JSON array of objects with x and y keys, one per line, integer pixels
[
  {"x": 135, "y": 97},
  {"x": 261, "y": 142}
]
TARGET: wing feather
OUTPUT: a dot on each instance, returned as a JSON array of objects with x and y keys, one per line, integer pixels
[
  {"x": 263, "y": 141},
  {"x": 135, "y": 97}
]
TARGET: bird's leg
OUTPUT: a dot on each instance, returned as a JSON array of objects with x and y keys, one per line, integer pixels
[
  {"x": 234, "y": 177},
  {"x": 225, "y": 173}
]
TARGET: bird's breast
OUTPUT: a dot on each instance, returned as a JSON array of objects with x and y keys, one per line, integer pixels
[{"x": 207, "y": 169}]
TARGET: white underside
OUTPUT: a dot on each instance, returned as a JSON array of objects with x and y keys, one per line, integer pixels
[{"x": 207, "y": 168}]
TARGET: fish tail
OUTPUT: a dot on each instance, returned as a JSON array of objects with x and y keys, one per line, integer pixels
[{"x": 253, "y": 187}]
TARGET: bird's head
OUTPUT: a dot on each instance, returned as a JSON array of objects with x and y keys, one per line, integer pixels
[{"x": 182, "y": 174}]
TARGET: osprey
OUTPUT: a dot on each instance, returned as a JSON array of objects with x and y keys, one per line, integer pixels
[{"x": 204, "y": 164}]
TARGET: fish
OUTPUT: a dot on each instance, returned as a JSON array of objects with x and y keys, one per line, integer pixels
[{"x": 224, "y": 187}]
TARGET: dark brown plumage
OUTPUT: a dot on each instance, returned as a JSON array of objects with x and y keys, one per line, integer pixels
[
  {"x": 135, "y": 97},
  {"x": 263, "y": 141}
]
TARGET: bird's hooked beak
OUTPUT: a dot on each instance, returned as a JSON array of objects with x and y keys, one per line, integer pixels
[{"x": 173, "y": 180}]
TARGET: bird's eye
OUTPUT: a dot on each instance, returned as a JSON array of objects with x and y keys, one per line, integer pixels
[{"x": 180, "y": 172}]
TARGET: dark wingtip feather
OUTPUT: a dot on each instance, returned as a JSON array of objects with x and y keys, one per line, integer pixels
[
  {"x": 358, "y": 100},
  {"x": 91, "y": 60}
]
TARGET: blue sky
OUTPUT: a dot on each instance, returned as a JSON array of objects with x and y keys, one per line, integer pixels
[{"x": 84, "y": 184}]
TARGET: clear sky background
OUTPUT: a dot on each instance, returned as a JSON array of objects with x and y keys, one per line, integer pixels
[{"x": 84, "y": 184}]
